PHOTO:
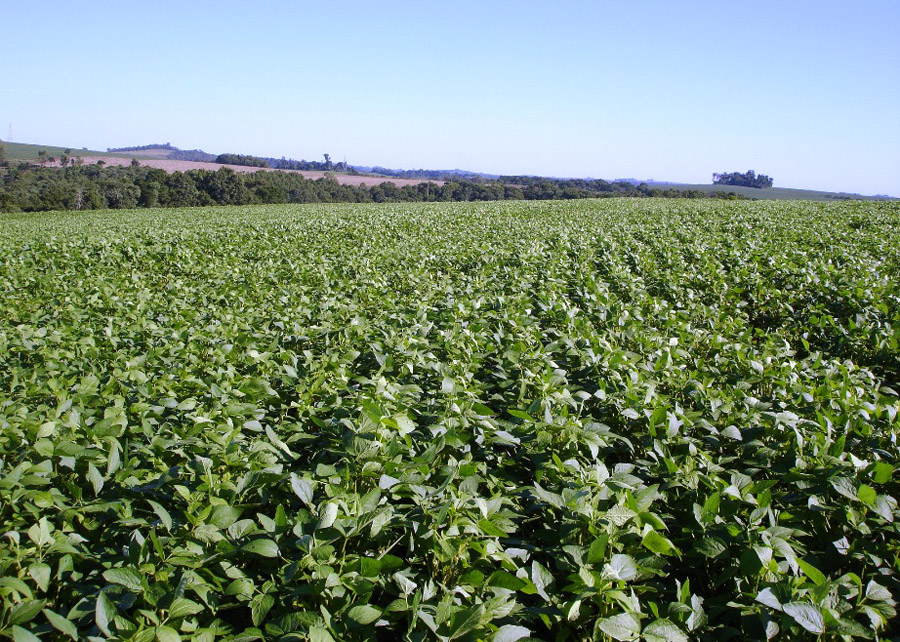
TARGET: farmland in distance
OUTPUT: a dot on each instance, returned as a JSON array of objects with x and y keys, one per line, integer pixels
[{"x": 619, "y": 419}]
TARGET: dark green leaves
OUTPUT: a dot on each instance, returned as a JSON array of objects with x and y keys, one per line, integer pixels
[{"x": 637, "y": 421}]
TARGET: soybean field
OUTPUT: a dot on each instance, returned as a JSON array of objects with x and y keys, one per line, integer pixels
[{"x": 591, "y": 420}]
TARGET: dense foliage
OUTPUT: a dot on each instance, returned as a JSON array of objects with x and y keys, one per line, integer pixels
[
  {"x": 241, "y": 159},
  {"x": 87, "y": 187},
  {"x": 625, "y": 419},
  {"x": 747, "y": 179}
]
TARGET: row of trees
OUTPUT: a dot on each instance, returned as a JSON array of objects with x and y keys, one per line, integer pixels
[
  {"x": 747, "y": 179},
  {"x": 241, "y": 159},
  {"x": 25, "y": 187}
]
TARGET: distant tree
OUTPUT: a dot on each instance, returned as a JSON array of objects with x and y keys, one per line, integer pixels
[
  {"x": 64, "y": 160},
  {"x": 42, "y": 157},
  {"x": 101, "y": 163},
  {"x": 747, "y": 179},
  {"x": 2, "y": 155},
  {"x": 135, "y": 163},
  {"x": 328, "y": 165}
]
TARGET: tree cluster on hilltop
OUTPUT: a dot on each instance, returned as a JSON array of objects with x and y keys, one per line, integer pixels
[
  {"x": 747, "y": 179},
  {"x": 143, "y": 148}
]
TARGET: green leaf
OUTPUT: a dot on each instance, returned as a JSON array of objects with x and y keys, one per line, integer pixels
[
  {"x": 510, "y": 633},
  {"x": 466, "y": 621},
  {"x": 329, "y": 516},
  {"x": 369, "y": 567},
  {"x": 866, "y": 494},
  {"x": 664, "y": 631},
  {"x": 806, "y": 615},
  {"x": 128, "y": 577},
  {"x": 364, "y": 614},
  {"x": 162, "y": 513},
  {"x": 262, "y": 547},
  {"x": 25, "y": 611},
  {"x": 21, "y": 635},
  {"x": 40, "y": 573},
  {"x": 658, "y": 544},
  {"x": 812, "y": 573},
  {"x": 303, "y": 489},
  {"x": 183, "y": 607},
  {"x": 623, "y": 627},
  {"x": 260, "y": 607},
  {"x": 877, "y": 592},
  {"x": 711, "y": 546},
  {"x": 104, "y": 613},
  {"x": 223, "y": 516},
  {"x": 167, "y": 634},
  {"x": 767, "y": 597},
  {"x": 61, "y": 624},
  {"x": 319, "y": 634},
  {"x": 883, "y": 472},
  {"x": 620, "y": 567},
  {"x": 95, "y": 478},
  {"x": 542, "y": 579}
]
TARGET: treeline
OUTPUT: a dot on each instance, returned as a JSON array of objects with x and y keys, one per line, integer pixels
[
  {"x": 141, "y": 148},
  {"x": 241, "y": 159},
  {"x": 26, "y": 187},
  {"x": 747, "y": 179}
]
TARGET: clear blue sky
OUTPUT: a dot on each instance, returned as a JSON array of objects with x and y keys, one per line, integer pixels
[{"x": 805, "y": 91}]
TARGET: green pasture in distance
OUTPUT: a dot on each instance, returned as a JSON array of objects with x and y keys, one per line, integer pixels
[
  {"x": 29, "y": 152},
  {"x": 626, "y": 419},
  {"x": 775, "y": 193}
]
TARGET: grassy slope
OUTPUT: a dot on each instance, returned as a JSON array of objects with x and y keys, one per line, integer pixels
[
  {"x": 28, "y": 152},
  {"x": 776, "y": 193}
]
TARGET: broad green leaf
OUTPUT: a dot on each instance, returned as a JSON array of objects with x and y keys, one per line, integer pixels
[
  {"x": 260, "y": 607},
  {"x": 510, "y": 633},
  {"x": 866, "y": 494},
  {"x": 183, "y": 607},
  {"x": 104, "y": 613},
  {"x": 61, "y": 624},
  {"x": 303, "y": 489},
  {"x": 466, "y": 621},
  {"x": 95, "y": 478},
  {"x": 329, "y": 515},
  {"x": 128, "y": 577},
  {"x": 767, "y": 597},
  {"x": 262, "y": 547},
  {"x": 25, "y": 611},
  {"x": 223, "y": 516},
  {"x": 542, "y": 579},
  {"x": 363, "y": 614},
  {"x": 877, "y": 592},
  {"x": 711, "y": 547},
  {"x": 167, "y": 634},
  {"x": 658, "y": 544},
  {"x": 806, "y": 615},
  {"x": 623, "y": 627},
  {"x": 620, "y": 567},
  {"x": 40, "y": 573},
  {"x": 663, "y": 631},
  {"x": 162, "y": 513},
  {"x": 319, "y": 634},
  {"x": 812, "y": 572},
  {"x": 23, "y": 635},
  {"x": 883, "y": 472}
]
